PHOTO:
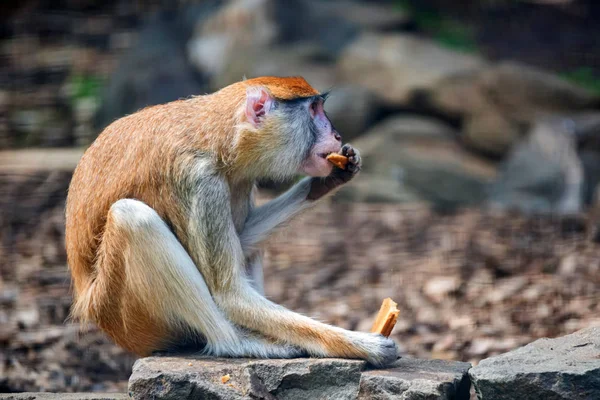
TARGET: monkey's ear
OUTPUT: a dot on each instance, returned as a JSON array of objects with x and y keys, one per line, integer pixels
[{"x": 258, "y": 104}]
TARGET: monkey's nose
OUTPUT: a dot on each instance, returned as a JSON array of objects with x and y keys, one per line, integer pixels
[{"x": 337, "y": 136}]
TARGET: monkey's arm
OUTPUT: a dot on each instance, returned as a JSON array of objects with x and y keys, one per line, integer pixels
[{"x": 263, "y": 220}]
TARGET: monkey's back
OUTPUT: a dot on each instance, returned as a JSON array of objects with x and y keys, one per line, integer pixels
[
  {"x": 135, "y": 157},
  {"x": 146, "y": 155}
]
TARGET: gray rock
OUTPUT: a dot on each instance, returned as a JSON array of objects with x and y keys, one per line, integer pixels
[
  {"x": 414, "y": 159},
  {"x": 264, "y": 37},
  {"x": 311, "y": 21},
  {"x": 398, "y": 67},
  {"x": 526, "y": 90},
  {"x": 193, "y": 377},
  {"x": 365, "y": 15},
  {"x": 586, "y": 128},
  {"x": 417, "y": 379},
  {"x": 590, "y": 160},
  {"x": 544, "y": 172},
  {"x": 304, "y": 60},
  {"x": 333, "y": 25},
  {"x": 63, "y": 396},
  {"x": 243, "y": 27},
  {"x": 183, "y": 378},
  {"x": 352, "y": 109},
  {"x": 499, "y": 104},
  {"x": 566, "y": 368},
  {"x": 490, "y": 132}
]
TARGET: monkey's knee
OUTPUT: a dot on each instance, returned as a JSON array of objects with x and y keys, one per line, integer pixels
[{"x": 134, "y": 216}]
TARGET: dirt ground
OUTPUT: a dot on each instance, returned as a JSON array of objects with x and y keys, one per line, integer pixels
[{"x": 469, "y": 285}]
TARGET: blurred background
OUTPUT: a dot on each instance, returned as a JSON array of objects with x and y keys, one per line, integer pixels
[{"x": 479, "y": 124}]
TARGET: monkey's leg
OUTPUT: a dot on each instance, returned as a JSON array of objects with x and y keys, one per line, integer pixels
[
  {"x": 218, "y": 253},
  {"x": 148, "y": 294},
  {"x": 246, "y": 307}
]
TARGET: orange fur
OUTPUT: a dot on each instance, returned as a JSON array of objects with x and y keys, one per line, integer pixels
[
  {"x": 334, "y": 343},
  {"x": 285, "y": 88},
  {"x": 114, "y": 312},
  {"x": 150, "y": 156},
  {"x": 145, "y": 156}
]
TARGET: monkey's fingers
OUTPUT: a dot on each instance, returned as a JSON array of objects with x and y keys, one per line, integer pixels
[{"x": 338, "y": 160}]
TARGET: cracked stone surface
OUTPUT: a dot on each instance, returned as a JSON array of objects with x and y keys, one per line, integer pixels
[
  {"x": 417, "y": 379},
  {"x": 564, "y": 368},
  {"x": 63, "y": 396},
  {"x": 305, "y": 378}
]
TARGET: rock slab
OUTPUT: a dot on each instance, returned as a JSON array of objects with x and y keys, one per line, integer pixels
[
  {"x": 63, "y": 396},
  {"x": 197, "y": 377},
  {"x": 411, "y": 158},
  {"x": 417, "y": 379},
  {"x": 567, "y": 367}
]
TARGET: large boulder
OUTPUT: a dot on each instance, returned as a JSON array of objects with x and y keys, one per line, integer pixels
[
  {"x": 237, "y": 29},
  {"x": 499, "y": 104},
  {"x": 265, "y": 37},
  {"x": 306, "y": 60},
  {"x": 417, "y": 379},
  {"x": 413, "y": 159},
  {"x": 401, "y": 67},
  {"x": 183, "y": 378},
  {"x": 194, "y": 377},
  {"x": 369, "y": 16},
  {"x": 555, "y": 169},
  {"x": 566, "y": 368},
  {"x": 333, "y": 25},
  {"x": 352, "y": 109}
]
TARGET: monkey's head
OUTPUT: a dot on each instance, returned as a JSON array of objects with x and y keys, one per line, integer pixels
[{"x": 285, "y": 129}]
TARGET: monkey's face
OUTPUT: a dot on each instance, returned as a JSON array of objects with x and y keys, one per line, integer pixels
[
  {"x": 287, "y": 136},
  {"x": 323, "y": 140}
]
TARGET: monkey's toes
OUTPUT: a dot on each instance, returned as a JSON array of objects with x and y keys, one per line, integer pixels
[{"x": 386, "y": 353}]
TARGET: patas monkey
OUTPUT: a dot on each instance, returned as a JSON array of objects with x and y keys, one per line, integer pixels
[{"x": 162, "y": 234}]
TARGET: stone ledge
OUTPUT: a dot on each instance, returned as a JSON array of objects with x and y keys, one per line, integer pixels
[
  {"x": 566, "y": 367},
  {"x": 63, "y": 396},
  {"x": 305, "y": 378},
  {"x": 417, "y": 379}
]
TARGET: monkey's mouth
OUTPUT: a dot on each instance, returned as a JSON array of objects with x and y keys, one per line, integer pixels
[{"x": 317, "y": 165}]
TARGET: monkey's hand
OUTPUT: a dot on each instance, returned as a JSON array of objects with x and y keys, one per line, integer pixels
[{"x": 321, "y": 186}]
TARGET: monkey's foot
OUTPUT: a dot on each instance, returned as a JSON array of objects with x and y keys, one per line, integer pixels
[{"x": 381, "y": 350}]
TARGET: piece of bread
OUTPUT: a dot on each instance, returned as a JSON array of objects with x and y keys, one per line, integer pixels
[
  {"x": 386, "y": 318},
  {"x": 338, "y": 160}
]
